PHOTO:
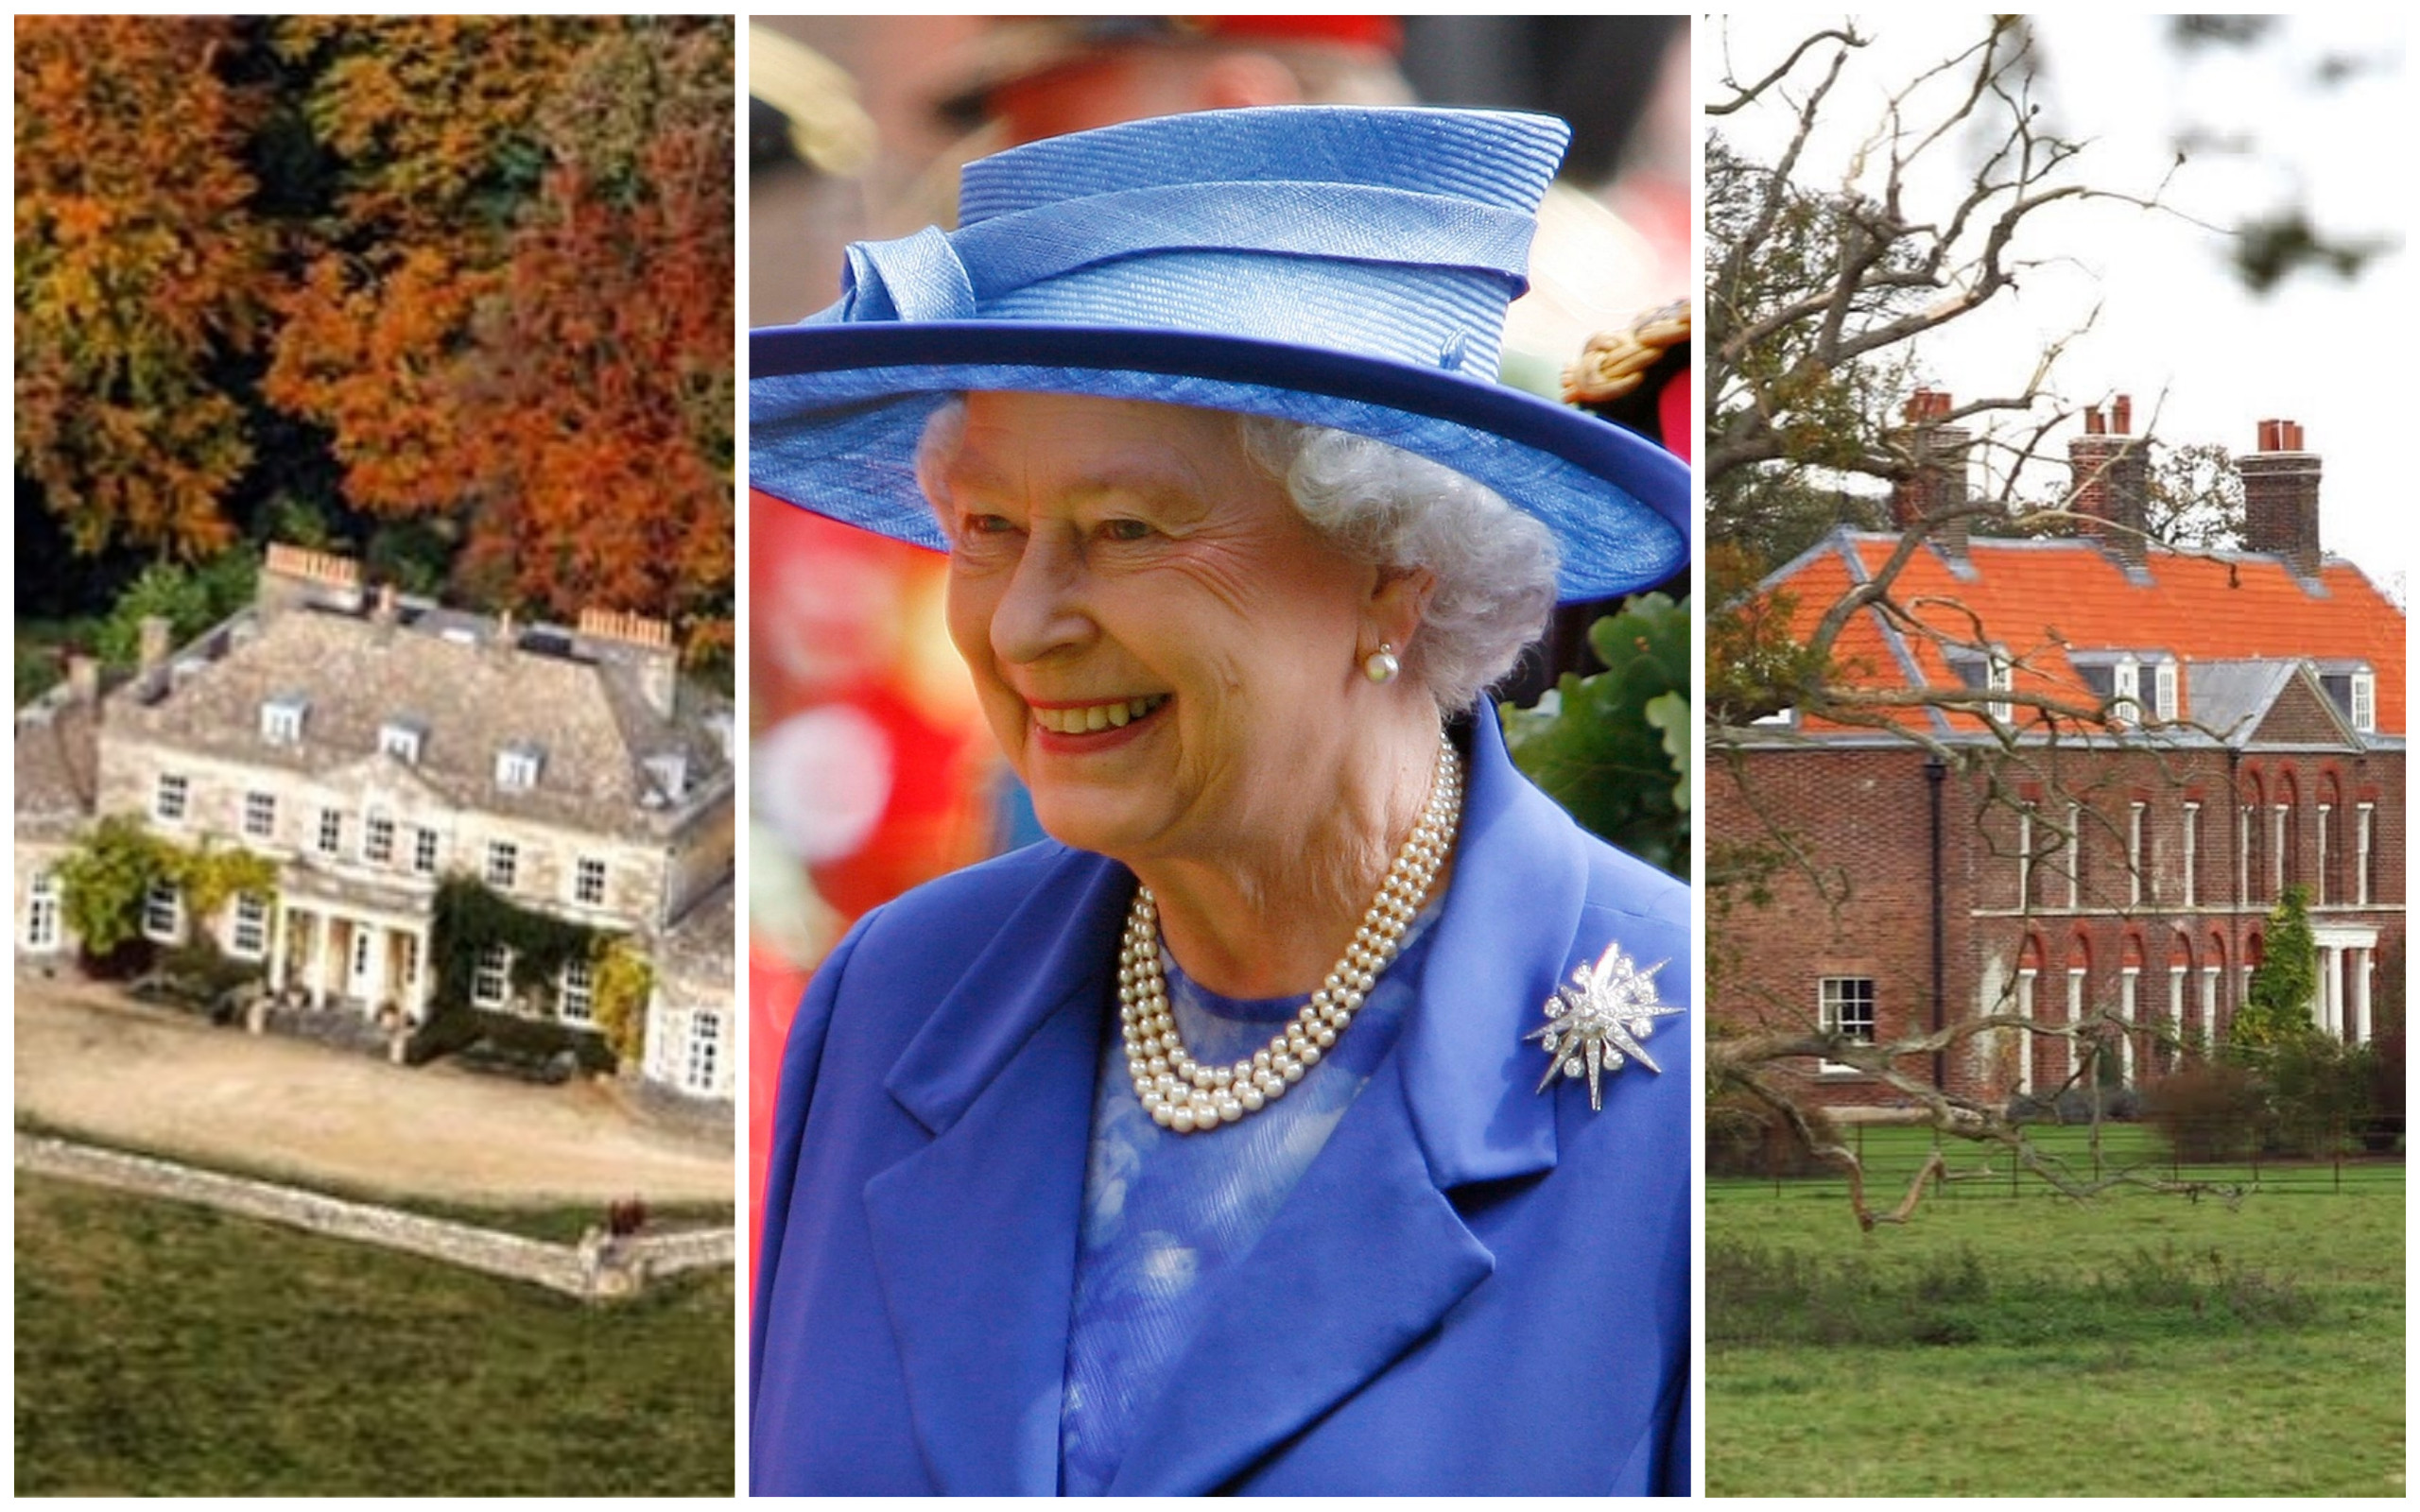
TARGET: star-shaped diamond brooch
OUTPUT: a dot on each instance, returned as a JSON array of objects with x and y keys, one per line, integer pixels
[{"x": 1595, "y": 1024}]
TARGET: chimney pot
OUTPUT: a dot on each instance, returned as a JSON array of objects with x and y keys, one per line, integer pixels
[
  {"x": 2122, "y": 415},
  {"x": 151, "y": 642},
  {"x": 2092, "y": 421}
]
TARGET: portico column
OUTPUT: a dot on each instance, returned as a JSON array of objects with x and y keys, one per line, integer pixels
[
  {"x": 322, "y": 937},
  {"x": 2330, "y": 1006},
  {"x": 417, "y": 1008},
  {"x": 2359, "y": 984},
  {"x": 280, "y": 928}
]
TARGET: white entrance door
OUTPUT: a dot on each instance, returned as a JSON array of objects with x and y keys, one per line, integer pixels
[{"x": 362, "y": 977}]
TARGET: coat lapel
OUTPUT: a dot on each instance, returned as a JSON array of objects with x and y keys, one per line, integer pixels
[
  {"x": 1368, "y": 1255},
  {"x": 975, "y": 1235}
]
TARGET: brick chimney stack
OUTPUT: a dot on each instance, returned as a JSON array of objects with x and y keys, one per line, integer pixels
[
  {"x": 646, "y": 644},
  {"x": 1937, "y": 484},
  {"x": 2281, "y": 497},
  {"x": 2108, "y": 469},
  {"x": 292, "y": 576}
]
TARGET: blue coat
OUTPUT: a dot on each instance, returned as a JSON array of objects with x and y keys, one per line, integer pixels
[{"x": 1474, "y": 1289}]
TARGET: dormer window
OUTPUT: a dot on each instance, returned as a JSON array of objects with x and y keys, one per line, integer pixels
[
  {"x": 669, "y": 772},
  {"x": 401, "y": 739},
  {"x": 2164, "y": 690},
  {"x": 2354, "y": 693},
  {"x": 2129, "y": 686},
  {"x": 517, "y": 768},
  {"x": 1987, "y": 671},
  {"x": 281, "y": 719}
]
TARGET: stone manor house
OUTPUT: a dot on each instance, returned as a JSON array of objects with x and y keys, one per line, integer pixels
[
  {"x": 373, "y": 745},
  {"x": 2068, "y": 868}
]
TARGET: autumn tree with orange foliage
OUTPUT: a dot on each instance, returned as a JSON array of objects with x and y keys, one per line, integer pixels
[
  {"x": 140, "y": 270},
  {"x": 522, "y": 316}
]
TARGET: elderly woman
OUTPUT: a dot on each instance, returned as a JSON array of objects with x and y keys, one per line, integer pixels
[{"x": 1291, "y": 1124}]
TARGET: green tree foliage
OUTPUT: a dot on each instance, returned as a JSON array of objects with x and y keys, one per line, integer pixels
[
  {"x": 2193, "y": 496},
  {"x": 624, "y": 982},
  {"x": 104, "y": 879},
  {"x": 1615, "y": 749},
  {"x": 190, "y": 598},
  {"x": 102, "y": 883},
  {"x": 2277, "y": 1010}
]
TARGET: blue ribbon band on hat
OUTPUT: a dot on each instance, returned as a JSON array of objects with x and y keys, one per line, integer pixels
[{"x": 938, "y": 276}]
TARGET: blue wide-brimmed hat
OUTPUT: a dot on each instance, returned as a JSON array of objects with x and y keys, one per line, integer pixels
[{"x": 1339, "y": 266}]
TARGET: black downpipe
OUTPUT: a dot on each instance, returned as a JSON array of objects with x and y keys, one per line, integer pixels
[{"x": 1936, "y": 772}]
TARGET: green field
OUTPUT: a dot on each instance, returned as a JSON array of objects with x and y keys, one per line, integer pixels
[
  {"x": 166, "y": 1348},
  {"x": 2009, "y": 1342}
]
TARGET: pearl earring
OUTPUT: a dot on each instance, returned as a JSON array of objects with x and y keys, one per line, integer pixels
[{"x": 1381, "y": 666}]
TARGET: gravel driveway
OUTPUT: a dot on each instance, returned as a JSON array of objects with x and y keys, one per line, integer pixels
[{"x": 89, "y": 1061}]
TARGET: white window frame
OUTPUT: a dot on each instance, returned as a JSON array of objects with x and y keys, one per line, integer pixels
[
  {"x": 329, "y": 840},
  {"x": 425, "y": 851},
  {"x": 400, "y": 741},
  {"x": 2319, "y": 878},
  {"x": 701, "y": 1060},
  {"x": 377, "y": 837},
  {"x": 2210, "y": 1003},
  {"x": 282, "y": 720},
  {"x": 2164, "y": 690},
  {"x": 172, "y": 798},
  {"x": 2135, "y": 813},
  {"x": 586, "y": 870},
  {"x": 164, "y": 913},
  {"x": 2075, "y": 856},
  {"x": 2192, "y": 849},
  {"x": 517, "y": 769},
  {"x": 248, "y": 927},
  {"x": 2363, "y": 815},
  {"x": 576, "y": 993},
  {"x": 2277, "y": 818},
  {"x": 1834, "y": 993},
  {"x": 2365, "y": 702},
  {"x": 2243, "y": 852},
  {"x": 502, "y": 870},
  {"x": 2024, "y": 858},
  {"x": 2126, "y": 695},
  {"x": 44, "y": 912},
  {"x": 491, "y": 977},
  {"x": 2000, "y": 677},
  {"x": 260, "y": 816}
]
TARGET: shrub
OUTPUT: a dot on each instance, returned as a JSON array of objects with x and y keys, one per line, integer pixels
[
  {"x": 2384, "y": 1126},
  {"x": 2209, "y": 1112},
  {"x": 1744, "y": 1138},
  {"x": 2318, "y": 1092}
]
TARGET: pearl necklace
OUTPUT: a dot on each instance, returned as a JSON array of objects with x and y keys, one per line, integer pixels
[{"x": 1183, "y": 1094}]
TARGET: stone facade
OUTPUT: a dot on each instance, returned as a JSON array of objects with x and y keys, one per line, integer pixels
[{"x": 374, "y": 746}]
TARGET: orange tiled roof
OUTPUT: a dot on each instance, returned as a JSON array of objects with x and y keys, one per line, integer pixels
[{"x": 2042, "y": 600}]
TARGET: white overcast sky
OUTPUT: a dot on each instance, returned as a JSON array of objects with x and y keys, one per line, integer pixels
[{"x": 2177, "y": 330}]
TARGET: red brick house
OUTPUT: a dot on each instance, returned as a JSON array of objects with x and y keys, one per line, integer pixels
[{"x": 2034, "y": 862}]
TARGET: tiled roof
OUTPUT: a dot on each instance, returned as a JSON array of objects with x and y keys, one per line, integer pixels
[
  {"x": 2045, "y": 602},
  {"x": 57, "y": 765},
  {"x": 697, "y": 951},
  {"x": 578, "y": 703}
]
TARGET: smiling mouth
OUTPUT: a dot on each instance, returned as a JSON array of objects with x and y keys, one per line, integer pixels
[{"x": 1085, "y": 718}]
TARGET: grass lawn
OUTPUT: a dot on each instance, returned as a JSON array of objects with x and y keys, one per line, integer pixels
[
  {"x": 2138, "y": 1344},
  {"x": 167, "y": 1349}
]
